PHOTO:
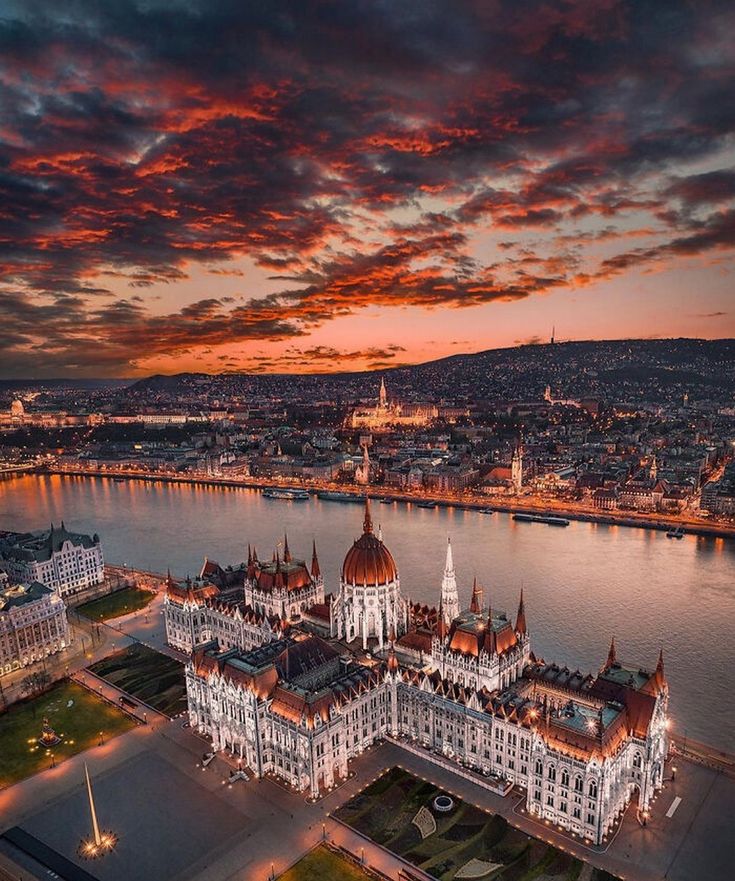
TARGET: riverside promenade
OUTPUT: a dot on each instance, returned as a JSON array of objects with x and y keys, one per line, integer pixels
[{"x": 470, "y": 501}]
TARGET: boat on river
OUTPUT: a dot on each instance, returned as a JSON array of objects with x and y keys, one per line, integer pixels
[
  {"x": 330, "y": 496},
  {"x": 293, "y": 495},
  {"x": 549, "y": 519},
  {"x": 676, "y": 532}
]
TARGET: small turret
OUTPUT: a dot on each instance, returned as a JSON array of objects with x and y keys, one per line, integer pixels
[
  {"x": 286, "y": 551},
  {"x": 392, "y": 659},
  {"x": 611, "y": 655},
  {"x": 521, "y": 627},
  {"x": 367, "y": 523},
  {"x": 315, "y": 570},
  {"x": 476, "y": 602},
  {"x": 441, "y": 623}
]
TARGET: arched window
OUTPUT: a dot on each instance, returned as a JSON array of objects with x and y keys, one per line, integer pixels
[
  {"x": 577, "y": 783},
  {"x": 593, "y": 789},
  {"x": 552, "y": 773},
  {"x": 565, "y": 777},
  {"x": 539, "y": 767},
  {"x": 637, "y": 760}
]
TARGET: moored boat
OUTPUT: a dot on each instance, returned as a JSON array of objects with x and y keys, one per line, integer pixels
[
  {"x": 294, "y": 495},
  {"x": 330, "y": 496}
]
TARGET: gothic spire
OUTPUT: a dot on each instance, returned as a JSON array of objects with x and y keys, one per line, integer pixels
[
  {"x": 367, "y": 524},
  {"x": 521, "y": 617},
  {"x": 611, "y": 655},
  {"x": 660, "y": 665},
  {"x": 476, "y": 603},
  {"x": 286, "y": 551},
  {"x": 315, "y": 570},
  {"x": 441, "y": 623},
  {"x": 449, "y": 593}
]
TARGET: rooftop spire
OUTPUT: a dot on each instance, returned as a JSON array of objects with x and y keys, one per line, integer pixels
[
  {"x": 521, "y": 617},
  {"x": 367, "y": 524},
  {"x": 660, "y": 665},
  {"x": 611, "y": 655},
  {"x": 441, "y": 622},
  {"x": 449, "y": 594},
  {"x": 286, "y": 551},
  {"x": 476, "y": 602},
  {"x": 315, "y": 570}
]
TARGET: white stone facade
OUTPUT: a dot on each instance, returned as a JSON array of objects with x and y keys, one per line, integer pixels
[
  {"x": 33, "y": 625},
  {"x": 67, "y": 562},
  {"x": 582, "y": 747}
]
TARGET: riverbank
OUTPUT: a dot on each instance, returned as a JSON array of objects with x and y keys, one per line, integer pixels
[{"x": 516, "y": 505}]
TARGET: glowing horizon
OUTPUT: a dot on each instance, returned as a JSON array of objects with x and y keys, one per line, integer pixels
[{"x": 348, "y": 186}]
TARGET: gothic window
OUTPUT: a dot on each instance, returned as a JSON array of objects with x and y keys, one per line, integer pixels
[
  {"x": 592, "y": 792},
  {"x": 578, "y": 784},
  {"x": 637, "y": 760},
  {"x": 552, "y": 773},
  {"x": 565, "y": 778},
  {"x": 540, "y": 767}
]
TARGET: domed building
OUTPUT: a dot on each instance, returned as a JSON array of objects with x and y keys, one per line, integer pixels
[{"x": 369, "y": 604}]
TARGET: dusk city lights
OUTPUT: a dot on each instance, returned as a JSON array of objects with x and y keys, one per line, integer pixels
[{"x": 367, "y": 440}]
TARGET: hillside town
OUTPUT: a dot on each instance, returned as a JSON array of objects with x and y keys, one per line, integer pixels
[{"x": 658, "y": 443}]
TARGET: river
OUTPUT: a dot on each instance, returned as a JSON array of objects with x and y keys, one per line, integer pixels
[{"x": 582, "y": 584}]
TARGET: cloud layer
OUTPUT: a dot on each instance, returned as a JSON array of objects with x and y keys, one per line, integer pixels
[{"x": 360, "y": 154}]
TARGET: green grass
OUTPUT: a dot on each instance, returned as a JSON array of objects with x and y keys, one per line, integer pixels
[
  {"x": 80, "y": 724},
  {"x": 114, "y": 605},
  {"x": 384, "y": 811},
  {"x": 153, "y": 678},
  {"x": 322, "y": 864}
]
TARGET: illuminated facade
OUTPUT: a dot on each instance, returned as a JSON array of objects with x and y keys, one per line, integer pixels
[
  {"x": 33, "y": 625},
  {"x": 465, "y": 687},
  {"x": 67, "y": 562},
  {"x": 387, "y": 413}
]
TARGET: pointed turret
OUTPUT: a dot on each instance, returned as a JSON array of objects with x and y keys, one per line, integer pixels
[
  {"x": 392, "y": 659},
  {"x": 441, "y": 623},
  {"x": 476, "y": 602},
  {"x": 315, "y": 570},
  {"x": 611, "y": 655},
  {"x": 521, "y": 616},
  {"x": 449, "y": 594},
  {"x": 250, "y": 555},
  {"x": 255, "y": 555},
  {"x": 660, "y": 665},
  {"x": 286, "y": 551},
  {"x": 367, "y": 523},
  {"x": 380, "y": 532}
]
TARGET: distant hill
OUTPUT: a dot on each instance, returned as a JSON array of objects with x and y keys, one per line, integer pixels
[
  {"x": 64, "y": 383},
  {"x": 624, "y": 369}
]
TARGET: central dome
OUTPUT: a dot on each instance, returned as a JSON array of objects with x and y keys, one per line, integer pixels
[{"x": 368, "y": 561}]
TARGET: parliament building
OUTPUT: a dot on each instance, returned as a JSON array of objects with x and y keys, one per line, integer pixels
[{"x": 297, "y": 684}]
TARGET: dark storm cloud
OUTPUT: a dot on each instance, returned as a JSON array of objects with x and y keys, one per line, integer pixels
[{"x": 139, "y": 138}]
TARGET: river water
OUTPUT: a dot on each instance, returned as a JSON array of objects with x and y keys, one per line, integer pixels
[{"x": 582, "y": 584}]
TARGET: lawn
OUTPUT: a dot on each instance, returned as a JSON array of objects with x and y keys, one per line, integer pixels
[
  {"x": 384, "y": 812},
  {"x": 114, "y": 605},
  {"x": 322, "y": 864},
  {"x": 153, "y": 678},
  {"x": 72, "y": 711}
]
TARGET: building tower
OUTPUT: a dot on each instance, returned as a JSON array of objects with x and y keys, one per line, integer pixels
[
  {"x": 383, "y": 399},
  {"x": 516, "y": 468},
  {"x": 369, "y": 602},
  {"x": 362, "y": 472},
  {"x": 450, "y": 598},
  {"x": 653, "y": 471}
]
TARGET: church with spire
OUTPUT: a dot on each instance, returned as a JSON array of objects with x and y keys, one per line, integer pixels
[{"x": 298, "y": 691}]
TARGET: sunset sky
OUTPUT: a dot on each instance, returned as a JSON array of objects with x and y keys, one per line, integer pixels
[{"x": 311, "y": 186}]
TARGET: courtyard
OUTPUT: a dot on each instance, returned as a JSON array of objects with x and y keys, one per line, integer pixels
[
  {"x": 399, "y": 812},
  {"x": 80, "y": 718},
  {"x": 115, "y": 605},
  {"x": 146, "y": 674}
]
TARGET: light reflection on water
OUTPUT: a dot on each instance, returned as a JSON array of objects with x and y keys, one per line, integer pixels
[{"x": 582, "y": 583}]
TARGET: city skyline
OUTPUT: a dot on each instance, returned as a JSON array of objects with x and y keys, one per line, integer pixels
[{"x": 350, "y": 187}]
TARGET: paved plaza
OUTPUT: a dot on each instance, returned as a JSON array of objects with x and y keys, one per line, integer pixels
[{"x": 179, "y": 823}]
